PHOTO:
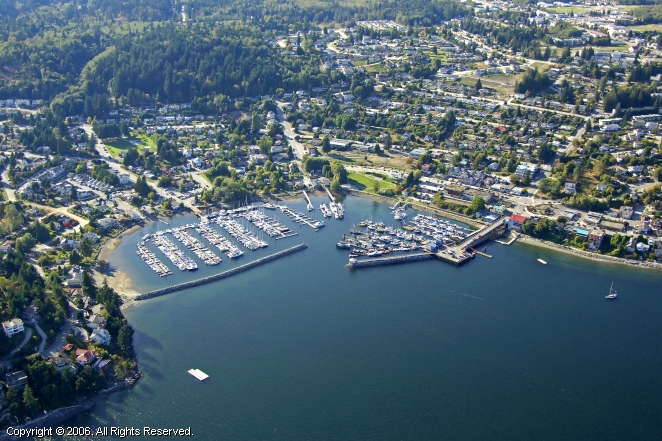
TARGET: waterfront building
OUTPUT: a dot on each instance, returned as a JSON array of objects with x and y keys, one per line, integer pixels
[
  {"x": 595, "y": 239},
  {"x": 516, "y": 221}
]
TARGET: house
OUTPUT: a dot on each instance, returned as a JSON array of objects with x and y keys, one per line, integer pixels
[
  {"x": 62, "y": 364},
  {"x": 595, "y": 239},
  {"x": 101, "y": 336},
  {"x": 516, "y": 221},
  {"x": 107, "y": 223},
  {"x": 124, "y": 178},
  {"x": 570, "y": 187},
  {"x": 626, "y": 212},
  {"x": 13, "y": 327},
  {"x": 17, "y": 379},
  {"x": 31, "y": 313},
  {"x": 85, "y": 356},
  {"x": 632, "y": 245},
  {"x": 96, "y": 321}
]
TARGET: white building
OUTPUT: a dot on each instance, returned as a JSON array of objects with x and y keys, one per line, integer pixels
[
  {"x": 13, "y": 327},
  {"x": 101, "y": 336}
]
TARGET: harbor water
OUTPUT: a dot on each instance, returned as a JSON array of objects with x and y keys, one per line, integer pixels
[{"x": 304, "y": 348}]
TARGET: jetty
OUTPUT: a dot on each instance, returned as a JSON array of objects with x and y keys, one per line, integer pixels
[
  {"x": 310, "y": 204},
  {"x": 223, "y": 275}
]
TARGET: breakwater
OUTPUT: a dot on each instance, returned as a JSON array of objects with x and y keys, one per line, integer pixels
[
  {"x": 223, "y": 275},
  {"x": 389, "y": 260}
]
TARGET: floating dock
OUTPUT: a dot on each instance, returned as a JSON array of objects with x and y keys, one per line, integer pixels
[{"x": 198, "y": 374}]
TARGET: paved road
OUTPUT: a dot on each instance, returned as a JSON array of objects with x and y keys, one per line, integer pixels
[
  {"x": 60, "y": 340},
  {"x": 26, "y": 338},
  {"x": 43, "y": 336}
]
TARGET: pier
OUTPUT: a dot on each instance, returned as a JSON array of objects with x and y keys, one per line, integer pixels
[
  {"x": 223, "y": 275},
  {"x": 310, "y": 204}
]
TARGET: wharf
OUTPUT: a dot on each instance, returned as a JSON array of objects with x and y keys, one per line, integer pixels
[
  {"x": 223, "y": 275},
  {"x": 480, "y": 253}
]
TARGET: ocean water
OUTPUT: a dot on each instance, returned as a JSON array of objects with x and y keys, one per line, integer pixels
[{"x": 304, "y": 348}]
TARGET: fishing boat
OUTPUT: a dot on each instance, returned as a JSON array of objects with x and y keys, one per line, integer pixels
[
  {"x": 542, "y": 261},
  {"x": 612, "y": 293}
]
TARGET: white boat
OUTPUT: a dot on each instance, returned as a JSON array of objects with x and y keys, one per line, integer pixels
[
  {"x": 318, "y": 224},
  {"x": 612, "y": 293},
  {"x": 235, "y": 253},
  {"x": 542, "y": 261},
  {"x": 310, "y": 207},
  {"x": 269, "y": 206}
]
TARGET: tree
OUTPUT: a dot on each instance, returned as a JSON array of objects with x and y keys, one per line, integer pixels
[
  {"x": 166, "y": 205},
  {"x": 29, "y": 401},
  {"x": 477, "y": 204},
  {"x": 25, "y": 243},
  {"x": 13, "y": 217},
  {"x": 87, "y": 246},
  {"x": 74, "y": 258},
  {"x": 376, "y": 186},
  {"x": 326, "y": 144},
  {"x": 479, "y": 85},
  {"x": 388, "y": 142}
]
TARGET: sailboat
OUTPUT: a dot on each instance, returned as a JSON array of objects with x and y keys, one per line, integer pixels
[{"x": 612, "y": 293}]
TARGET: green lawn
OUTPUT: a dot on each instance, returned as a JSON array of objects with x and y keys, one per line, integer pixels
[
  {"x": 366, "y": 183},
  {"x": 574, "y": 9},
  {"x": 621, "y": 48},
  {"x": 649, "y": 27},
  {"x": 137, "y": 140}
]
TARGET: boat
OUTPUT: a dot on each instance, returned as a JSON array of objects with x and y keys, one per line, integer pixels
[
  {"x": 342, "y": 245},
  {"x": 235, "y": 253},
  {"x": 269, "y": 206},
  {"x": 310, "y": 207},
  {"x": 318, "y": 224},
  {"x": 612, "y": 293},
  {"x": 542, "y": 261}
]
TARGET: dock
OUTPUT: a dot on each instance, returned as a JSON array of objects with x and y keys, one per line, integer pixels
[
  {"x": 480, "y": 253},
  {"x": 310, "y": 204},
  {"x": 223, "y": 275},
  {"x": 301, "y": 218},
  {"x": 198, "y": 374}
]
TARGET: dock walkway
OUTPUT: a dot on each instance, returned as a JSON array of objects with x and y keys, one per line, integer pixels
[{"x": 223, "y": 275}]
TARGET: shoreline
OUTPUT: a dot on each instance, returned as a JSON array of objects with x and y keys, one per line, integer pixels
[
  {"x": 118, "y": 280},
  {"x": 587, "y": 254}
]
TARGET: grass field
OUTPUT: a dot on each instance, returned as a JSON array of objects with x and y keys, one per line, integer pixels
[
  {"x": 574, "y": 9},
  {"x": 649, "y": 27},
  {"x": 621, "y": 48},
  {"x": 137, "y": 141},
  {"x": 366, "y": 183}
]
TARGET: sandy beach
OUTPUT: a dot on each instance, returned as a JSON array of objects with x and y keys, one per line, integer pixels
[{"x": 118, "y": 280}]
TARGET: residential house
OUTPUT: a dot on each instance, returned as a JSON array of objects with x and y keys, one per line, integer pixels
[
  {"x": 516, "y": 221},
  {"x": 106, "y": 223},
  {"x": 17, "y": 380},
  {"x": 570, "y": 187},
  {"x": 13, "y": 327},
  {"x": 96, "y": 321},
  {"x": 101, "y": 336},
  {"x": 595, "y": 239},
  {"x": 85, "y": 356},
  {"x": 62, "y": 364}
]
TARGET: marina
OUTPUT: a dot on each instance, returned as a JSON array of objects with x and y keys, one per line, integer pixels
[
  {"x": 193, "y": 244},
  {"x": 270, "y": 226},
  {"x": 173, "y": 253},
  {"x": 152, "y": 261}
]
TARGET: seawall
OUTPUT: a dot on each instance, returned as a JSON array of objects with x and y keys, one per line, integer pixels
[{"x": 223, "y": 275}]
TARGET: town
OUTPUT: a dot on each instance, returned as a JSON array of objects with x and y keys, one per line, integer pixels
[{"x": 542, "y": 118}]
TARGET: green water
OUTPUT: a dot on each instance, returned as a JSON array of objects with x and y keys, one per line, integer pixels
[{"x": 305, "y": 349}]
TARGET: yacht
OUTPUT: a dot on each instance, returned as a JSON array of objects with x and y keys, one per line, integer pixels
[
  {"x": 318, "y": 224},
  {"x": 269, "y": 206},
  {"x": 612, "y": 293},
  {"x": 235, "y": 253},
  {"x": 342, "y": 245}
]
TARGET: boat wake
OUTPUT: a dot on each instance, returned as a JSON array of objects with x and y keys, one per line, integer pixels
[{"x": 473, "y": 297}]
